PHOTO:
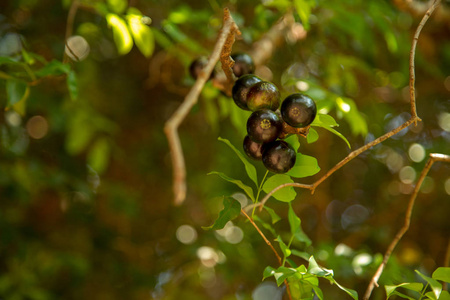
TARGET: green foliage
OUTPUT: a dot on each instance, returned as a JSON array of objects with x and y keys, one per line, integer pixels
[{"x": 231, "y": 210}]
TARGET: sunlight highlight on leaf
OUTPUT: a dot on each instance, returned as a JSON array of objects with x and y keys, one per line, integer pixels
[{"x": 122, "y": 37}]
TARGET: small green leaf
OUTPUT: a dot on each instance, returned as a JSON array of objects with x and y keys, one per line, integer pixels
[
  {"x": 303, "y": 9},
  {"x": 312, "y": 136},
  {"x": 301, "y": 254},
  {"x": 268, "y": 271},
  {"x": 283, "y": 273},
  {"x": 142, "y": 35},
  {"x": 16, "y": 90},
  {"x": 304, "y": 166},
  {"x": 117, "y": 6},
  {"x": 249, "y": 168},
  {"x": 442, "y": 274},
  {"x": 293, "y": 141},
  {"x": 248, "y": 190},
  {"x": 397, "y": 293},
  {"x": 273, "y": 214},
  {"x": 415, "y": 286},
  {"x": 72, "y": 85},
  {"x": 8, "y": 60},
  {"x": 284, "y": 248},
  {"x": 98, "y": 155},
  {"x": 327, "y": 122},
  {"x": 265, "y": 225},
  {"x": 313, "y": 268},
  {"x": 286, "y": 194},
  {"x": 122, "y": 37},
  {"x": 351, "y": 292},
  {"x": 444, "y": 296},
  {"x": 55, "y": 67},
  {"x": 436, "y": 287},
  {"x": 294, "y": 221},
  {"x": 231, "y": 210}
]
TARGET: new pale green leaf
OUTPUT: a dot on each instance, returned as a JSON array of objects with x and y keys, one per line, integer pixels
[
  {"x": 142, "y": 35},
  {"x": 122, "y": 37}
]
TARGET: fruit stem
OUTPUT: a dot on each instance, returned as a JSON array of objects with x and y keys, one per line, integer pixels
[{"x": 259, "y": 192}]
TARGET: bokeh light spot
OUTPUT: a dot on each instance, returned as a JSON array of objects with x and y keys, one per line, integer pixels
[
  {"x": 37, "y": 127},
  {"x": 186, "y": 234},
  {"x": 302, "y": 86},
  {"x": 416, "y": 152},
  {"x": 447, "y": 186},
  {"x": 267, "y": 291},
  {"x": 444, "y": 121},
  {"x": 208, "y": 256},
  {"x": 13, "y": 118},
  {"x": 407, "y": 175}
]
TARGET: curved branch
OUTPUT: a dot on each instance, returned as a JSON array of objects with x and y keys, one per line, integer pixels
[
  {"x": 374, "y": 281},
  {"x": 171, "y": 127}
]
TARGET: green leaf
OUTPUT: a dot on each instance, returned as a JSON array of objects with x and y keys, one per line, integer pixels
[
  {"x": 286, "y": 194},
  {"x": 442, "y": 274},
  {"x": 268, "y": 271},
  {"x": 8, "y": 60},
  {"x": 142, "y": 35},
  {"x": 72, "y": 84},
  {"x": 293, "y": 141},
  {"x": 122, "y": 37},
  {"x": 436, "y": 287},
  {"x": 444, "y": 296},
  {"x": 312, "y": 136},
  {"x": 303, "y": 9},
  {"x": 397, "y": 293},
  {"x": 248, "y": 190},
  {"x": 231, "y": 210},
  {"x": 55, "y": 68},
  {"x": 117, "y": 6},
  {"x": 313, "y": 268},
  {"x": 327, "y": 122},
  {"x": 415, "y": 286},
  {"x": 265, "y": 225},
  {"x": 283, "y": 273},
  {"x": 304, "y": 166},
  {"x": 351, "y": 292},
  {"x": 275, "y": 218},
  {"x": 79, "y": 133},
  {"x": 294, "y": 221},
  {"x": 98, "y": 155},
  {"x": 351, "y": 114},
  {"x": 301, "y": 254},
  {"x": 249, "y": 168},
  {"x": 16, "y": 90},
  {"x": 284, "y": 248}
]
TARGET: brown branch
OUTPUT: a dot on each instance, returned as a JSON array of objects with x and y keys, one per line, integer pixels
[
  {"x": 271, "y": 247},
  {"x": 171, "y": 127},
  {"x": 414, "y": 119},
  {"x": 374, "y": 281}
]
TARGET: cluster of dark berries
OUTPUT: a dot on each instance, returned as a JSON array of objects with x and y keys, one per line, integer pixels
[
  {"x": 266, "y": 126},
  {"x": 269, "y": 123}
]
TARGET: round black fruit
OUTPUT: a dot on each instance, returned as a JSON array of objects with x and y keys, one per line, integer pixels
[
  {"x": 298, "y": 110},
  {"x": 263, "y": 94},
  {"x": 243, "y": 64},
  {"x": 252, "y": 149},
  {"x": 278, "y": 156},
  {"x": 264, "y": 126},
  {"x": 241, "y": 88},
  {"x": 197, "y": 66}
]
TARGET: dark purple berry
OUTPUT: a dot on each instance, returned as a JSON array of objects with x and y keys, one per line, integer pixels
[
  {"x": 243, "y": 64},
  {"x": 197, "y": 66},
  {"x": 264, "y": 126},
  {"x": 278, "y": 156},
  {"x": 252, "y": 149},
  {"x": 241, "y": 88},
  {"x": 263, "y": 94},
  {"x": 298, "y": 110}
]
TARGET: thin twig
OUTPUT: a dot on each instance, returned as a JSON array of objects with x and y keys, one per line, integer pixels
[
  {"x": 446, "y": 263},
  {"x": 271, "y": 247},
  {"x": 69, "y": 27},
  {"x": 412, "y": 77},
  {"x": 414, "y": 119},
  {"x": 374, "y": 281},
  {"x": 171, "y": 127}
]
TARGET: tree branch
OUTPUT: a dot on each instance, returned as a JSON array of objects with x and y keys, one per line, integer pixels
[
  {"x": 374, "y": 281},
  {"x": 271, "y": 247},
  {"x": 229, "y": 28}
]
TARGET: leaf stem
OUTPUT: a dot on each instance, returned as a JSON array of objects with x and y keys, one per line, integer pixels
[{"x": 259, "y": 192}]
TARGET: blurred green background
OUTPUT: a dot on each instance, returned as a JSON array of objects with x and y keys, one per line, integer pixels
[{"x": 86, "y": 203}]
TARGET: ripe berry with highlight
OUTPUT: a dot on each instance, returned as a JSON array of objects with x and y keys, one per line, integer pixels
[
  {"x": 298, "y": 110},
  {"x": 264, "y": 126},
  {"x": 278, "y": 156},
  {"x": 241, "y": 88}
]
